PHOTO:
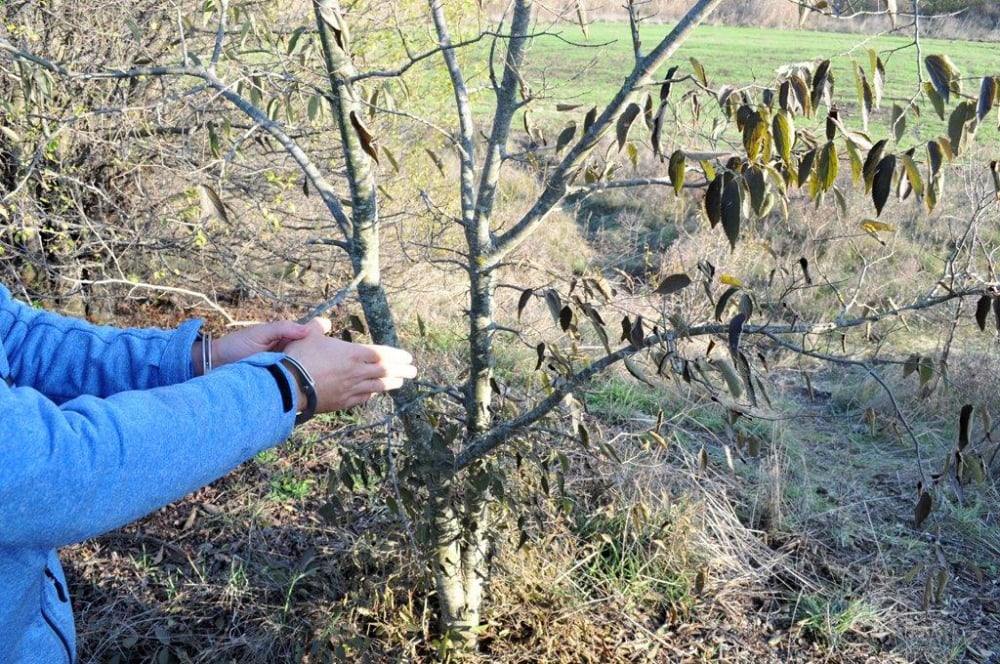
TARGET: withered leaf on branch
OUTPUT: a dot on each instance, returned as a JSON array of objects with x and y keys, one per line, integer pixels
[
  {"x": 673, "y": 283},
  {"x": 565, "y": 318},
  {"x": 522, "y": 301},
  {"x": 676, "y": 170},
  {"x": 732, "y": 211},
  {"x": 922, "y": 509},
  {"x": 624, "y": 123},
  {"x": 983, "y": 307},
  {"x": 944, "y": 75},
  {"x": 804, "y": 264},
  {"x": 735, "y": 331},
  {"x": 713, "y": 201},
  {"x": 636, "y": 335},
  {"x": 987, "y": 97},
  {"x": 211, "y": 204},
  {"x": 872, "y": 162},
  {"x": 964, "y": 416},
  {"x": 365, "y": 136},
  {"x": 665, "y": 87},
  {"x": 882, "y": 182},
  {"x": 565, "y": 137}
]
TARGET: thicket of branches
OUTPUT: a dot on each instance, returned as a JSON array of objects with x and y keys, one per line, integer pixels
[{"x": 275, "y": 151}]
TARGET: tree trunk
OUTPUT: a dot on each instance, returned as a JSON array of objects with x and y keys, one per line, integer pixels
[{"x": 456, "y": 545}]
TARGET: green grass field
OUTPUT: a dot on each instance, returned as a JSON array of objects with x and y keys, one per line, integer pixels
[{"x": 747, "y": 58}]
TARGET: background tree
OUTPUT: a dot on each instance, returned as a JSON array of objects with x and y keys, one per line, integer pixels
[{"x": 304, "y": 120}]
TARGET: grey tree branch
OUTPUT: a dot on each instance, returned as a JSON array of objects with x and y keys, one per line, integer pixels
[{"x": 501, "y": 432}]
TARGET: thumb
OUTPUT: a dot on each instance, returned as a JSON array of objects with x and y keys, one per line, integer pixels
[{"x": 319, "y": 324}]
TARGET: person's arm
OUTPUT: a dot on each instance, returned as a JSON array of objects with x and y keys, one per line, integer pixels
[
  {"x": 64, "y": 357},
  {"x": 90, "y": 465}
]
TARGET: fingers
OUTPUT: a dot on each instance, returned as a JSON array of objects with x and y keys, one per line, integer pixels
[{"x": 319, "y": 324}]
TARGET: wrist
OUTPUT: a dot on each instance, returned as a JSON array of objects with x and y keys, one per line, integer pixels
[
  {"x": 305, "y": 388},
  {"x": 201, "y": 354}
]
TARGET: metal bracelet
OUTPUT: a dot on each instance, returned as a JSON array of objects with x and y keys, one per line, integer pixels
[{"x": 306, "y": 384}]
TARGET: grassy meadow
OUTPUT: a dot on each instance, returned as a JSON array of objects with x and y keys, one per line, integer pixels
[
  {"x": 748, "y": 58},
  {"x": 786, "y": 537}
]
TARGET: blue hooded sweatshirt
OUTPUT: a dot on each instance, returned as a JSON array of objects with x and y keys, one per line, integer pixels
[{"x": 98, "y": 427}]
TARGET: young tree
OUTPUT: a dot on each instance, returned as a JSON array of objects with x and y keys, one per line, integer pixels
[{"x": 236, "y": 81}]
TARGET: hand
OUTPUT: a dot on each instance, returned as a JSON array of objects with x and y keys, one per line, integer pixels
[
  {"x": 348, "y": 374},
  {"x": 266, "y": 337}
]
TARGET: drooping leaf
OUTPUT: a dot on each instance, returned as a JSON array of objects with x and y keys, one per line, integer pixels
[
  {"x": 554, "y": 303},
  {"x": 822, "y": 84},
  {"x": 522, "y": 301},
  {"x": 826, "y": 168},
  {"x": 802, "y": 97},
  {"x": 743, "y": 368},
  {"x": 540, "y": 351},
  {"x": 732, "y": 211},
  {"x": 937, "y": 101},
  {"x": 963, "y": 426},
  {"x": 713, "y": 200},
  {"x": 805, "y": 167},
  {"x": 882, "y": 182},
  {"x": 872, "y": 162},
  {"x": 935, "y": 157},
  {"x": 958, "y": 126},
  {"x": 675, "y": 169},
  {"x": 854, "y": 157},
  {"x": 987, "y": 97},
  {"x": 565, "y": 318},
  {"x": 211, "y": 204},
  {"x": 983, "y": 308},
  {"x": 647, "y": 112},
  {"x": 636, "y": 372},
  {"x": 756, "y": 186},
  {"x": 699, "y": 72},
  {"x": 720, "y": 306},
  {"x": 656, "y": 136},
  {"x": 435, "y": 159},
  {"x": 804, "y": 10},
  {"x": 944, "y": 75},
  {"x": 673, "y": 283},
  {"x": 866, "y": 97},
  {"x": 565, "y": 137},
  {"x": 636, "y": 335},
  {"x": 365, "y": 136},
  {"x": 925, "y": 368},
  {"x": 582, "y": 18},
  {"x": 598, "y": 324},
  {"x": 995, "y": 172},
  {"x": 783, "y": 132},
  {"x": 667, "y": 81},
  {"x": 912, "y": 173},
  {"x": 898, "y": 122},
  {"x": 872, "y": 226},
  {"x": 922, "y": 509},
  {"x": 735, "y": 332},
  {"x": 589, "y": 119},
  {"x": 878, "y": 76},
  {"x": 804, "y": 264},
  {"x": 624, "y": 123},
  {"x": 756, "y": 137}
]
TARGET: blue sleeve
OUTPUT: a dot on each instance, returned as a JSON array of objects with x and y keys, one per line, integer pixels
[
  {"x": 64, "y": 357},
  {"x": 90, "y": 465}
]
